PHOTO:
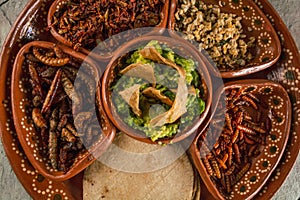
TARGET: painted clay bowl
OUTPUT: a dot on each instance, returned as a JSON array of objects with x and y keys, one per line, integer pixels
[
  {"x": 107, "y": 50},
  {"x": 245, "y": 140},
  {"x": 53, "y": 149},
  {"x": 265, "y": 50},
  {"x": 180, "y": 47}
]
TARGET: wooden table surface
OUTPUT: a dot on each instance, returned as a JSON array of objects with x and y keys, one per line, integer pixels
[{"x": 10, "y": 188}]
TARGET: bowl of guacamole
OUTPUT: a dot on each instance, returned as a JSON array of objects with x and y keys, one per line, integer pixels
[{"x": 157, "y": 89}]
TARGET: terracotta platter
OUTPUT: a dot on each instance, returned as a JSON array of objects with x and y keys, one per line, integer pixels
[{"x": 285, "y": 71}]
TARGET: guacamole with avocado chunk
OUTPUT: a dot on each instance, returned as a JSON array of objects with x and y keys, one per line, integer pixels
[{"x": 144, "y": 92}]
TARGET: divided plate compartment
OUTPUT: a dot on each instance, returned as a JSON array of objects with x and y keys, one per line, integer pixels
[
  {"x": 267, "y": 48},
  {"x": 107, "y": 53},
  {"x": 276, "y": 103},
  {"x": 28, "y": 135}
]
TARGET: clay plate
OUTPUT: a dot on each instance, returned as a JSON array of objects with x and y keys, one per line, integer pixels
[
  {"x": 262, "y": 166},
  {"x": 267, "y": 49},
  {"x": 28, "y": 135},
  {"x": 107, "y": 55},
  {"x": 182, "y": 48},
  {"x": 31, "y": 25}
]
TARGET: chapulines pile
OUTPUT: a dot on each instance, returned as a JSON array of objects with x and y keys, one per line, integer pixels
[
  {"x": 87, "y": 23},
  {"x": 51, "y": 77}
]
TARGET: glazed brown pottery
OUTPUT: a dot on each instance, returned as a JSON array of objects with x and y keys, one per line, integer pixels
[
  {"x": 175, "y": 44},
  {"x": 255, "y": 24},
  {"x": 30, "y": 138},
  {"x": 103, "y": 55},
  {"x": 31, "y": 25},
  {"x": 273, "y": 106}
]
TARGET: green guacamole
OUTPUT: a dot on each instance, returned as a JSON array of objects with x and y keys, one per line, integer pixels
[{"x": 167, "y": 83}]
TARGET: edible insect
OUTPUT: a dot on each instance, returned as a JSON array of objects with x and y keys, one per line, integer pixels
[
  {"x": 53, "y": 139},
  {"x": 207, "y": 166},
  {"x": 38, "y": 118},
  {"x": 68, "y": 135},
  {"x": 35, "y": 80},
  {"x": 241, "y": 173},
  {"x": 52, "y": 91},
  {"x": 54, "y": 62},
  {"x": 85, "y": 25},
  {"x": 216, "y": 168},
  {"x": 58, "y": 52},
  {"x": 69, "y": 89},
  {"x": 51, "y": 107},
  {"x": 239, "y": 138}
]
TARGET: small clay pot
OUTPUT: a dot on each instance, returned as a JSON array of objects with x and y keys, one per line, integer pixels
[
  {"x": 177, "y": 45},
  {"x": 267, "y": 48},
  {"x": 26, "y": 131},
  {"x": 275, "y": 99}
]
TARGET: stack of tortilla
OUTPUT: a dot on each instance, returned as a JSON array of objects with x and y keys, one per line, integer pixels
[{"x": 116, "y": 176}]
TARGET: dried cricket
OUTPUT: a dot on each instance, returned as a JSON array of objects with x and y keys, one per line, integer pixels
[{"x": 84, "y": 24}]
